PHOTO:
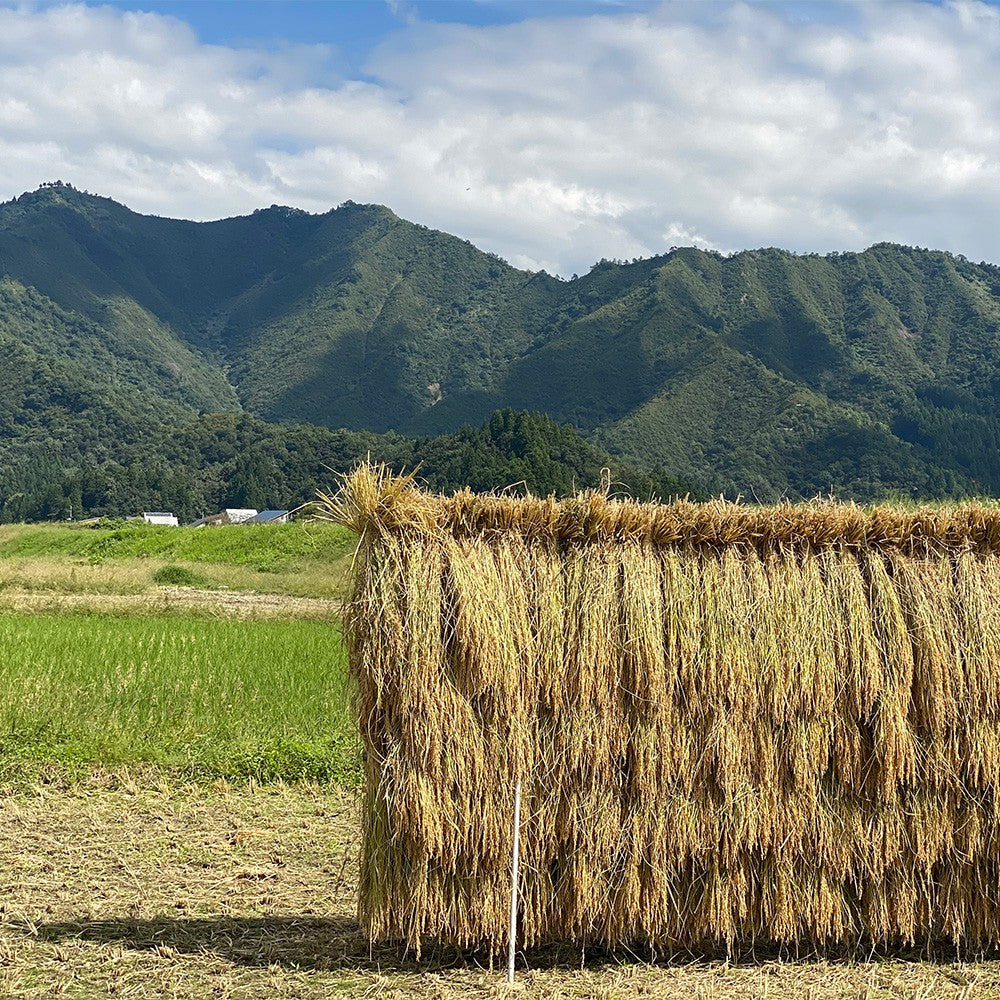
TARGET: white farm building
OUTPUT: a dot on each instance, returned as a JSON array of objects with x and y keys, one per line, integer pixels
[{"x": 159, "y": 517}]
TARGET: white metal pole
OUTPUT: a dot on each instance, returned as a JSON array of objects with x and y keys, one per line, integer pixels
[{"x": 512, "y": 946}]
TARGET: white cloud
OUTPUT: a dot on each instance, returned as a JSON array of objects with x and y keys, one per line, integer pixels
[{"x": 554, "y": 141}]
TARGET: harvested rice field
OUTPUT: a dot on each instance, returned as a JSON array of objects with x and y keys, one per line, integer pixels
[
  {"x": 136, "y": 885},
  {"x": 137, "y": 860}
]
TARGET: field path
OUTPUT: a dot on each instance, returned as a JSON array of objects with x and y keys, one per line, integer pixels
[
  {"x": 142, "y": 887},
  {"x": 224, "y": 603}
]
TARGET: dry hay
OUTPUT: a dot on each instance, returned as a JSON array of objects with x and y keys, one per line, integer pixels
[{"x": 732, "y": 724}]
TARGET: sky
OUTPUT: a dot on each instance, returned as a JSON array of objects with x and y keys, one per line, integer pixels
[{"x": 553, "y": 133}]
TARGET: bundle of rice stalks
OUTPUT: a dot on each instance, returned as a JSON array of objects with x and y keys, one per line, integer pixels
[{"x": 731, "y": 724}]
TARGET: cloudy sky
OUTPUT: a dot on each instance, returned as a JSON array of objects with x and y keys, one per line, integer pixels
[{"x": 552, "y": 133}]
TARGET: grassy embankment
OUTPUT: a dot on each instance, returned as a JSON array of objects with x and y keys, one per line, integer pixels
[
  {"x": 206, "y": 691},
  {"x": 303, "y": 559}
]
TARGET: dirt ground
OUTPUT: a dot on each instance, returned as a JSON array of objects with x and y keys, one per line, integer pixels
[
  {"x": 136, "y": 886},
  {"x": 216, "y": 603}
]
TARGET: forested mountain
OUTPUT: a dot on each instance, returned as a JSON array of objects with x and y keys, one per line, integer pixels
[
  {"x": 235, "y": 460},
  {"x": 763, "y": 373}
]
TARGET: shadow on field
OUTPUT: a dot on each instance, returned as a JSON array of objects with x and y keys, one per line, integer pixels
[
  {"x": 328, "y": 943},
  {"x": 323, "y": 943},
  {"x": 299, "y": 942}
]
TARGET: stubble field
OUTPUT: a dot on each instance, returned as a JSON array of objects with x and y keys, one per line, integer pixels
[{"x": 131, "y": 884}]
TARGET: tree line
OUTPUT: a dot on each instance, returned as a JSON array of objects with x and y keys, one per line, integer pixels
[{"x": 235, "y": 460}]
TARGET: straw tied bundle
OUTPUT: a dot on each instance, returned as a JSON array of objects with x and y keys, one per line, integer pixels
[{"x": 731, "y": 723}]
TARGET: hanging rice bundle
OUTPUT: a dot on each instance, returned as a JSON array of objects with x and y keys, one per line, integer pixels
[{"x": 731, "y": 724}]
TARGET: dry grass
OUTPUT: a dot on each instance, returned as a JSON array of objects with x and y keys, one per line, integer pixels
[
  {"x": 732, "y": 724},
  {"x": 374, "y": 502},
  {"x": 168, "y": 600},
  {"x": 65, "y": 582},
  {"x": 134, "y": 887},
  {"x": 42, "y": 576},
  {"x": 63, "y": 574}
]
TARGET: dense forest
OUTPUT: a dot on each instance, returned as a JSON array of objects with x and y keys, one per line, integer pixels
[
  {"x": 158, "y": 362},
  {"x": 234, "y": 460}
]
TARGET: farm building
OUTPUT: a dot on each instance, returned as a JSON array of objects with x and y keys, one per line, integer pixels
[
  {"x": 231, "y": 515},
  {"x": 239, "y": 515},
  {"x": 159, "y": 517},
  {"x": 731, "y": 724},
  {"x": 271, "y": 517}
]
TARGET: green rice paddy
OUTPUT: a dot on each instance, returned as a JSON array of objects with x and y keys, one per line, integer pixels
[{"x": 208, "y": 698}]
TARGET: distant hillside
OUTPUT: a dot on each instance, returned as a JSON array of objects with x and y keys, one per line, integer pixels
[
  {"x": 231, "y": 460},
  {"x": 764, "y": 373}
]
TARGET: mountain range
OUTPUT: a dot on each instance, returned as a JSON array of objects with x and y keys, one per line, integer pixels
[{"x": 762, "y": 373}]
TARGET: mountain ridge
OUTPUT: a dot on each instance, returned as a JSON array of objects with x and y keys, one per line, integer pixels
[{"x": 764, "y": 372}]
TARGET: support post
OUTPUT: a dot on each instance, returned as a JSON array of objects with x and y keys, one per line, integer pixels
[{"x": 515, "y": 857}]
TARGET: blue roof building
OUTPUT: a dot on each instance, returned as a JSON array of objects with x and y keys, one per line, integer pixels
[{"x": 270, "y": 517}]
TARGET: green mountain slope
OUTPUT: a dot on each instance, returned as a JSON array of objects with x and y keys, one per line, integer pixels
[
  {"x": 378, "y": 318},
  {"x": 769, "y": 373},
  {"x": 763, "y": 373},
  {"x": 69, "y": 385}
]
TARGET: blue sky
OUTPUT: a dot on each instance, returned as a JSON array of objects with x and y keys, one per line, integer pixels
[
  {"x": 553, "y": 133},
  {"x": 355, "y": 26}
]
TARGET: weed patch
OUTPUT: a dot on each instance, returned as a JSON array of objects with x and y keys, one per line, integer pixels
[{"x": 173, "y": 575}]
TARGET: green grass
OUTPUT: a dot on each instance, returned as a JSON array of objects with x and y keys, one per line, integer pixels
[
  {"x": 271, "y": 547},
  {"x": 304, "y": 559},
  {"x": 173, "y": 575},
  {"x": 200, "y": 697}
]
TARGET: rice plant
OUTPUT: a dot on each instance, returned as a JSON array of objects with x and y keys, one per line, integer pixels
[
  {"x": 732, "y": 724},
  {"x": 205, "y": 697}
]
